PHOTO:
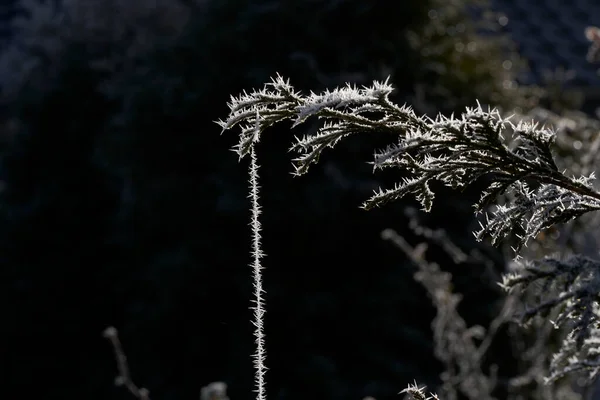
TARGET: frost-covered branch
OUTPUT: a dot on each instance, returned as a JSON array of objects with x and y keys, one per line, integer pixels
[
  {"x": 570, "y": 287},
  {"x": 415, "y": 392},
  {"x": 456, "y": 151}
]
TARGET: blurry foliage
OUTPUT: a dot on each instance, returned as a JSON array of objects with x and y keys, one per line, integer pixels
[{"x": 464, "y": 56}]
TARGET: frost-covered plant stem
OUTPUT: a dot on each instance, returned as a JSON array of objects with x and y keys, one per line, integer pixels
[{"x": 259, "y": 302}]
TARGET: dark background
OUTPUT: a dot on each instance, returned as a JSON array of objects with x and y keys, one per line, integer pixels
[{"x": 125, "y": 206}]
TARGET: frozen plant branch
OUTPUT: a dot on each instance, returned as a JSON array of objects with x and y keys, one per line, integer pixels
[
  {"x": 456, "y": 151},
  {"x": 415, "y": 392},
  {"x": 259, "y": 301},
  {"x": 570, "y": 287},
  {"x": 517, "y": 160}
]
